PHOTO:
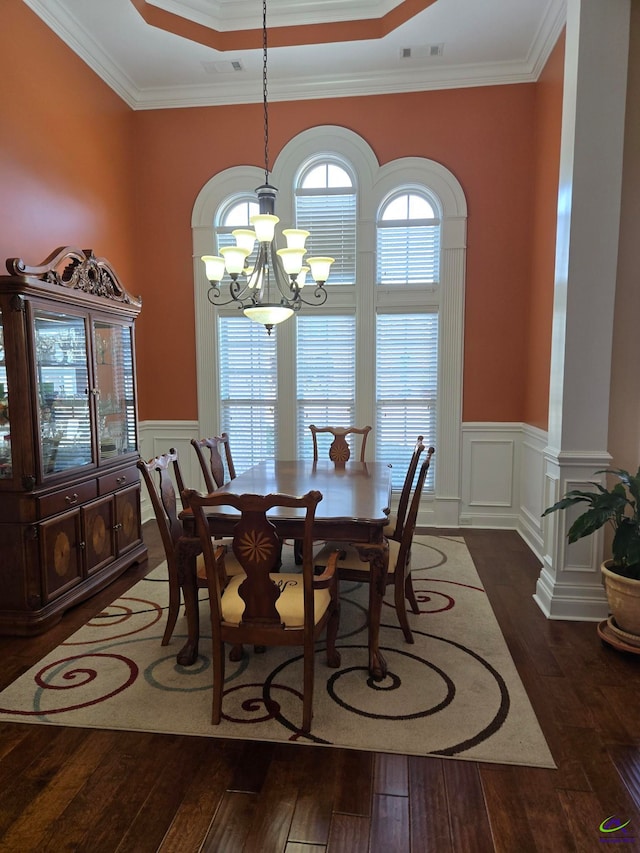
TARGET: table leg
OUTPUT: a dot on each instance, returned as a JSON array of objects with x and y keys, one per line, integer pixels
[
  {"x": 378, "y": 558},
  {"x": 187, "y": 551}
]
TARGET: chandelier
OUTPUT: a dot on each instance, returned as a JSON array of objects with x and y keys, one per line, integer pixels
[{"x": 271, "y": 290}]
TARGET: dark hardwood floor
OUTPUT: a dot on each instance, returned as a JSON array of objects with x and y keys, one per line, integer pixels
[{"x": 80, "y": 790}]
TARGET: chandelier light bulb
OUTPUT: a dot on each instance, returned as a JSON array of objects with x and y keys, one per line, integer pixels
[
  {"x": 265, "y": 226},
  {"x": 234, "y": 258},
  {"x": 268, "y": 315},
  {"x": 245, "y": 238},
  {"x": 291, "y": 260},
  {"x": 320, "y": 268},
  {"x": 301, "y": 277},
  {"x": 214, "y": 267},
  {"x": 295, "y": 237}
]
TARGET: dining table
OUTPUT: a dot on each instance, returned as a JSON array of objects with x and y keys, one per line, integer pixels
[{"x": 355, "y": 505}]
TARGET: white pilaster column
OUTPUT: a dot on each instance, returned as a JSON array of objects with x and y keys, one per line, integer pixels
[{"x": 597, "y": 39}]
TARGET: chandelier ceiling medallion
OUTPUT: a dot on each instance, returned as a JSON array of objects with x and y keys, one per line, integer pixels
[{"x": 271, "y": 290}]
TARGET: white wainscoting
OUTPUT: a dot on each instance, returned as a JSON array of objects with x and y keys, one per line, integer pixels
[
  {"x": 502, "y": 476},
  {"x": 157, "y": 437}
]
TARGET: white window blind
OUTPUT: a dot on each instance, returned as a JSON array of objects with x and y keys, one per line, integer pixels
[
  {"x": 406, "y": 388},
  {"x": 326, "y": 380},
  {"x": 326, "y": 206},
  {"x": 331, "y": 219},
  {"x": 408, "y": 241},
  {"x": 248, "y": 389}
]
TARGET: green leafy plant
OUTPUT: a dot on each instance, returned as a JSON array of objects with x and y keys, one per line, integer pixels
[{"x": 618, "y": 506}]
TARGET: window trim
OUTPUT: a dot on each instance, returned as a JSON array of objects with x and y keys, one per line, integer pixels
[{"x": 373, "y": 184}]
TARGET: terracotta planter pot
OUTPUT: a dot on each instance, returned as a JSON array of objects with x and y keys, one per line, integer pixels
[{"x": 623, "y": 595}]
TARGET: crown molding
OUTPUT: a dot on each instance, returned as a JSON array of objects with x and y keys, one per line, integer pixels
[{"x": 418, "y": 77}]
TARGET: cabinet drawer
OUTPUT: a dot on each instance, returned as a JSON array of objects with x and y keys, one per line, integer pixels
[
  {"x": 67, "y": 498},
  {"x": 118, "y": 480}
]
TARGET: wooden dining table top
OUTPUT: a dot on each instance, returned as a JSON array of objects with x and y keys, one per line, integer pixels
[
  {"x": 354, "y": 508},
  {"x": 355, "y": 497}
]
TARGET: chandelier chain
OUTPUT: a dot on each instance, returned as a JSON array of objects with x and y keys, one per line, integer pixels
[
  {"x": 271, "y": 291},
  {"x": 264, "y": 91}
]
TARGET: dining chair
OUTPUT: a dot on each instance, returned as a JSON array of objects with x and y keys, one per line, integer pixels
[
  {"x": 351, "y": 567},
  {"x": 266, "y": 607},
  {"x": 157, "y": 475},
  {"x": 213, "y": 466},
  {"x": 393, "y": 528},
  {"x": 339, "y": 451}
]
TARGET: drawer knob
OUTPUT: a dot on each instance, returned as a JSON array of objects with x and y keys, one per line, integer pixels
[
  {"x": 72, "y": 499},
  {"x": 121, "y": 480}
]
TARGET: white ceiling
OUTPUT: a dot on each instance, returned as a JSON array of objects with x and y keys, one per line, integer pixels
[{"x": 453, "y": 43}]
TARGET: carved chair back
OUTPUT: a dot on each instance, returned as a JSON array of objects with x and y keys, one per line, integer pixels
[
  {"x": 244, "y": 611},
  {"x": 339, "y": 451},
  {"x": 213, "y": 467}
]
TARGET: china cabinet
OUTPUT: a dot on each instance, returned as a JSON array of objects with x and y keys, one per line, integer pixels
[{"x": 69, "y": 485}]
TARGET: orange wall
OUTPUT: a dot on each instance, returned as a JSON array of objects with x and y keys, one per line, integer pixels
[
  {"x": 65, "y": 151},
  {"x": 483, "y": 135},
  {"x": 548, "y": 126},
  {"x": 77, "y": 166}
]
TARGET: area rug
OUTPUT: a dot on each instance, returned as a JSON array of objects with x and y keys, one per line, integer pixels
[{"x": 454, "y": 693}]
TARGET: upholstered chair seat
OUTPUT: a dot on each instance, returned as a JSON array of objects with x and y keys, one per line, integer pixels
[{"x": 290, "y": 604}]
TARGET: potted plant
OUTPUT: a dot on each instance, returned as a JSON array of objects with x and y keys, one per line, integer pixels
[{"x": 618, "y": 506}]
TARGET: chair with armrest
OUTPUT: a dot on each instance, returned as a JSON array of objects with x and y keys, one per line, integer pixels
[
  {"x": 393, "y": 528},
  {"x": 265, "y": 607},
  {"x": 213, "y": 466},
  {"x": 157, "y": 475},
  {"x": 339, "y": 451},
  {"x": 351, "y": 567}
]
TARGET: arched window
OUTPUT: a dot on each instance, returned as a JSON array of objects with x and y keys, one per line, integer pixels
[
  {"x": 325, "y": 205},
  {"x": 408, "y": 240},
  {"x": 407, "y": 254},
  {"x": 386, "y": 347}
]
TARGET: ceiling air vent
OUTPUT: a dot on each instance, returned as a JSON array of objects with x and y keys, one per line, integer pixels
[
  {"x": 228, "y": 67},
  {"x": 422, "y": 52}
]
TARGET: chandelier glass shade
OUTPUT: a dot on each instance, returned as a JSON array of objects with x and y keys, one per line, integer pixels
[{"x": 270, "y": 291}]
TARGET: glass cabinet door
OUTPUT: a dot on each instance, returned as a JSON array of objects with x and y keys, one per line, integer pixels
[
  {"x": 62, "y": 388},
  {"x": 114, "y": 379},
  {"x": 6, "y": 464}
]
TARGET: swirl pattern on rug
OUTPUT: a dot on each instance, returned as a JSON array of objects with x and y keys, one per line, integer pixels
[{"x": 455, "y": 692}]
